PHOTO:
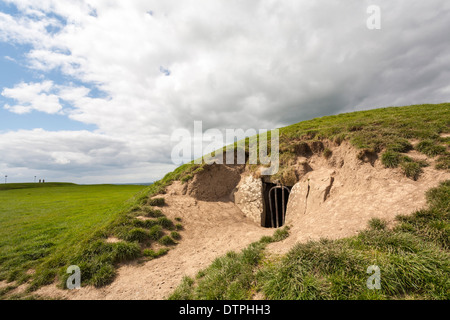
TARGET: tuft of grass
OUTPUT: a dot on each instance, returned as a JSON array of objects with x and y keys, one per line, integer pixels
[
  {"x": 281, "y": 234},
  {"x": 443, "y": 162},
  {"x": 156, "y": 233},
  {"x": 390, "y": 159},
  {"x": 125, "y": 251},
  {"x": 327, "y": 153},
  {"x": 431, "y": 148},
  {"x": 400, "y": 145},
  {"x": 411, "y": 170},
  {"x": 104, "y": 275},
  {"x": 175, "y": 235},
  {"x": 377, "y": 224},
  {"x": 187, "y": 178},
  {"x": 149, "y": 253},
  {"x": 165, "y": 223},
  {"x": 167, "y": 241},
  {"x": 338, "y": 139},
  {"x": 137, "y": 234},
  {"x": 157, "y": 202},
  {"x": 179, "y": 227},
  {"x": 184, "y": 291},
  {"x": 152, "y": 212}
]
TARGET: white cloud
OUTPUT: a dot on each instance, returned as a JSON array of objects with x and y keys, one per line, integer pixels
[
  {"x": 9, "y": 59},
  {"x": 33, "y": 96},
  {"x": 233, "y": 64}
]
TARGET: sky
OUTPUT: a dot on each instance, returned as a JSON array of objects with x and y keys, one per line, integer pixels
[{"x": 92, "y": 90}]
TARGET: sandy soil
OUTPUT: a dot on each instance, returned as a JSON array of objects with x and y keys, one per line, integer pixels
[{"x": 358, "y": 192}]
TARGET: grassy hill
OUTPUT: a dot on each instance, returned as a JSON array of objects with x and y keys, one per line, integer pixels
[
  {"x": 414, "y": 256},
  {"x": 373, "y": 132},
  {"x": 46, "y": 228}
]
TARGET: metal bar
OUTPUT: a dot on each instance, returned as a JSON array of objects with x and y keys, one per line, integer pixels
[
  {"x": 276, "y": 208},
  {"x": 276, "y": 223},
  {"x": 283, "y": 212},
  {"x": 271, "y": 210}
]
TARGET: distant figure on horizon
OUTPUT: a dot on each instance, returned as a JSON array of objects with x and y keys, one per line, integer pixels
[
  {"x": 43, "y": 181},
  {"x": 39, "y": 180}
]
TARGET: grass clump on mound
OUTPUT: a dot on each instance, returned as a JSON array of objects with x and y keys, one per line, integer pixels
[
  {"x": 165, "y": 223},
  {"x": 136, "y": 234},
  {"x": 430, "y": 148},
  {"x": 167, "y": 241},
  {"x": 413, "y": 259},
  {"x": 152, "y": 212},
  {"x": 390, "y": 159},
  {"x": 151, "y": 254},
  {"x": 96, "y": 260},
  {"x": 156, "y": 233},
  {"x": 443, "y": 162},
  {"x": 411, "y": 170},
  {"x": 157, "y": 202},
  {"x": 175, "y": 235},
  {"x": 327, "y": 153},
  {"x": 377, "y": 224}
]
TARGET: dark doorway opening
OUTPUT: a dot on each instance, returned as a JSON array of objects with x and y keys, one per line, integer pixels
[{"x": 275, "y": 200}]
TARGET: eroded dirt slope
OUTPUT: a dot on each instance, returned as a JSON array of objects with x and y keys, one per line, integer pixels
[{"x": 211, "y": 230}]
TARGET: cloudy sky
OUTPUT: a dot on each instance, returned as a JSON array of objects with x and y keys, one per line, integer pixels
[{"x": 91, "y": 90}]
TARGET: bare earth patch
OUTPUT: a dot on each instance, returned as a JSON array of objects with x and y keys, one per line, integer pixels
[{"x": 112, "y": 240}]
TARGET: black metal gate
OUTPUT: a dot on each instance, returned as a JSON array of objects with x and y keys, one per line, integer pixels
[{"x": 278, "y": 196}]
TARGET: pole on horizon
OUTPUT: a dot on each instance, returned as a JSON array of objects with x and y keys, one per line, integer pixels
[
  {"x": 6, "y": 179},
  {"x": 34, "y": 179}
]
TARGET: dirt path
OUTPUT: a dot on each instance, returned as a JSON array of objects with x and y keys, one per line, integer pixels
[{"x": 211, "y": 230}]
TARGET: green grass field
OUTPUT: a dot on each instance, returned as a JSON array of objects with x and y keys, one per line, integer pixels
[{"x": 39, "y": 221}]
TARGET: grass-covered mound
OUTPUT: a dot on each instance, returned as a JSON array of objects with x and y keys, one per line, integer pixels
[{"x": 380, "y": 133}]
